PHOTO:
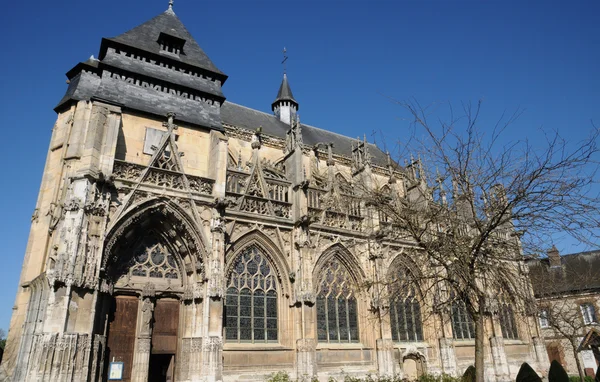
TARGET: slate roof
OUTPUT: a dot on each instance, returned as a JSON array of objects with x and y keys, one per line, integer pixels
[
  {"x": 93, "y": 79},
  {"x": 145, "y": 37},
  {"x": 578, "y": 272},
  {"x": 242, "y": 116},
  {"x": 285, "y": 92}
]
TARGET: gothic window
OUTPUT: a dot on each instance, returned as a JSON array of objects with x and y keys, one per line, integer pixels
[
  {"x": 278, "y": 192},
  {"x": 405, "y": 311},
  {"x": 507, "y": 322},
  {"x": 251, "y": 299},
  {"x": 337, "y": 319},
  {"x": 462, "y": 323},
  {"x": 589, "y": 313},
  {"x": 544, "y": 321},
  {"x": 153, "y": 260}
]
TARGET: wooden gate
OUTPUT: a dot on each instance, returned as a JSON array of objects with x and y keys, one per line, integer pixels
[{"x": 121, "y": 333}]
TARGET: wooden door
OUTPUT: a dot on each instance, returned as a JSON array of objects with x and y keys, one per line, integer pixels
[
  {"x": 121, "y": 333},
  {"x": 166, "y": 322},
  {"x": 554, "y": 353}
]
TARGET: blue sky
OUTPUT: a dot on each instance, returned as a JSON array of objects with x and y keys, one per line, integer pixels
[{"x": 347, "y": 58}]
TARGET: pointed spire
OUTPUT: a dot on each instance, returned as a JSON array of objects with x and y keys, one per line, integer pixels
[{"x": 285, "y": 93}]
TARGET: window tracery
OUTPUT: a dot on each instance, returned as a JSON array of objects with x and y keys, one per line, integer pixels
[
  {"x": 251, "y": 299},
  {"x": 462, "y": 322},
  {"x": 337, "y": 319},
  {"x": 508, "y": 323},
  {"x": 405, "y": 310},
  {"x": 153, "y": 260}
]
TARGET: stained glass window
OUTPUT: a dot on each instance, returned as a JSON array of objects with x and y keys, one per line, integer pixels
[
  {"x": 507, "y": 322},
  {"x": 462, "y": 322},
  {"x": 405, "y": 311},
  {"x": 337, "y": 319},
  {"x": 251, "y": 299},
  {"x": 152, "y": 259}
]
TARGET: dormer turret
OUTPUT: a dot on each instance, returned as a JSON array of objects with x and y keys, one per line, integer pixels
[{"x": 285, "y": 106}]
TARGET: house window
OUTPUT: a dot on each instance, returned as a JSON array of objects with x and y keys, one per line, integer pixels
[
  {"x": 251, "y": 299},
  {"x": 462, "y": 322},
  {"x": 589, "y": 313},
  {"x": 544, "y": 322},
  {"x": 337, "y": 319},
  {"x": 508, "y": 323}
]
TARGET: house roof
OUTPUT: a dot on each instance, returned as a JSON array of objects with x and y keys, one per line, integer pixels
[
  {"x": 578, "y": 272},
  {"x": 146, "y": 36}
]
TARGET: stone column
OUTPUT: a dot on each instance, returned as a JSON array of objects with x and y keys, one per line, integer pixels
[
  {"x": 499, "y": 359},
  {"x": 212, "y": 346},
  {"x": 212, "y": 359},
  {"x": 447, "y": 356},
  {"x": 385, "y": 357},
  {"x": 306, "y": 357},
  {"x": 141, "y": 357},
  {"x": 541, "y": 353}
]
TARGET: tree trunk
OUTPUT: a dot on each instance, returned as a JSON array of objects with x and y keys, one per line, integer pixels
[
  {"x": 578, "y": 362},
  {"x": 479, "y": 340}
]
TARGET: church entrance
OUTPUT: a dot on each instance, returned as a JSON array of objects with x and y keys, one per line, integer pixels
[{"x": 164, "y": 341}]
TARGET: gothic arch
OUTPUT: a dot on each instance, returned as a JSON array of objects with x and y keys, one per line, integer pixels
[
  {"x": 403, "y": 262},
  {"x": 270, "y": 250},
  {"x": 170, "y": 223},
  {"x": 340, "y": 252}
]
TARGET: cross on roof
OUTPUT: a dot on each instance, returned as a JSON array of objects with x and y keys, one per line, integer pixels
[{"x": 285, "y": 57}]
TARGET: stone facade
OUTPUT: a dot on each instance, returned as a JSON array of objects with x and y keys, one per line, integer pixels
[{"x": 200, "y": 240}]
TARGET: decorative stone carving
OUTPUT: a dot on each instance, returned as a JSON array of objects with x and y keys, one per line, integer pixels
[
  {"x": 306, "y": 358},
  {"x": 149, "y": 290},
  {"x": 144, "y": 345},
  {"x": 146, "y": 319},
  {"x": 73, "y": 204}
]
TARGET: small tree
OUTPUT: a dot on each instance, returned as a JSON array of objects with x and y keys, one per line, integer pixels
[{"x": 472, "y": 205}]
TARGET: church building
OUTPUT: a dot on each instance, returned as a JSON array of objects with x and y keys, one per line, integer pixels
[{"x": 181, "y": 237}]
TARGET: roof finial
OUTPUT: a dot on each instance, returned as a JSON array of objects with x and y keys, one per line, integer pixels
[
  {"x": 171, "y": 5},
  {"x": 285, "y": 57}
]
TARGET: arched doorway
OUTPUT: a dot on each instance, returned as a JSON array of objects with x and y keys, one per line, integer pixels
[
  {"x": 413, "y": 365},
  {"x": 150, "y": 265}
]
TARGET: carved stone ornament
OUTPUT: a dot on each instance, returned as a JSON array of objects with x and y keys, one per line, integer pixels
[
  {"x": 256, "y": 140},
  {"x": 144, "y": 345},
  {"x": 306, "y": 345},
  {"x": 106, "y": 287},
  {"x": 147, "y": 313},
  {"x": 35, "y": 215},
  {"x": 72, "y": 204},
  {"x": 213, "y": 344},
  {"x": 149, "y": 290}
]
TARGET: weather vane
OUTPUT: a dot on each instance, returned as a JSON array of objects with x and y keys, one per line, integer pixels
[{"x": 285, "y": 57}]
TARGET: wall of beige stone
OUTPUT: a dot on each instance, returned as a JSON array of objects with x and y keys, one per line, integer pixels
[{"x": 97, "y": 134}]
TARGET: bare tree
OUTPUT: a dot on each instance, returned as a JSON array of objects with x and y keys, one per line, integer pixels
[{"x": 473, "y": 204}]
